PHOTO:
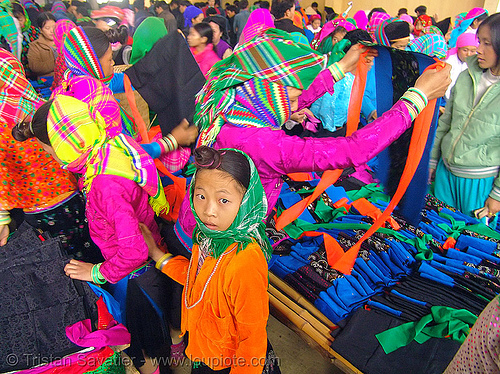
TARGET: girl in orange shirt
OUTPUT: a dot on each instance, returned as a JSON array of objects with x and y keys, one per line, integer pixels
[{"x": 225, "y": 303}]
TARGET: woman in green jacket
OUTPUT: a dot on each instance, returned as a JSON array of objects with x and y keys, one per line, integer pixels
[{"x": 466, "y": 149}]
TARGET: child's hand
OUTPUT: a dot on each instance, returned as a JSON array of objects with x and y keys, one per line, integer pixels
[
  {"x": 79, "y": 270},
  {"x": 154, "y": 252}
]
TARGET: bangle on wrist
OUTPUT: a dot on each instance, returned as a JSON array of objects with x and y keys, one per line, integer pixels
[
  {"x": 336, "y": 71},
  {"x": 96, "y": 275},
  {"x": 170, "y": 143},
  {"x": 4, "y": 217},
  {"x": 163, "y": 261}
]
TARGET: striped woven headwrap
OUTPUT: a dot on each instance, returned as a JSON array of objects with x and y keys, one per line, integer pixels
[
  {"x": 80, "y": 56},
  {"x": 381, "y": 34},
  {"x": 432, "y": 45},
  {"x": 77, "y": 132},
  {"x": 272, "y": 61}
]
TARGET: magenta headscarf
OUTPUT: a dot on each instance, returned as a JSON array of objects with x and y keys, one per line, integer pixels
[
  {"x": 330, "y": 27},
  {"x": 259, "y": 21},
  {"x": 63, "y": 26},
  {"x": 407, "y": 18},
  {"x": 464, "y": 40},
  {"x": 361, "y": 19}
]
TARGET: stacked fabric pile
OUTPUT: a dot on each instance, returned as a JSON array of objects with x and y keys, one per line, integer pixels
[
  {"x": 38, "y": 301},
  {"x": 432, "y": 279}
]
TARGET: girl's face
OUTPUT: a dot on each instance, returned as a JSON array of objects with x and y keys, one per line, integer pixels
[
  {"x": 293, "y": 96},
  {"x": 316, "y": 24},
  {"x": 48, "y": 29},
  {"x": 464, "y": 52},
  {"x": 197, "y": 19},
  {"x": 21, "y": 18},
  {"x": 216, "y": 33},
  {"x": 337, "y": 37},
  {"x": 486, "y": 56},
  {"x": 195, "y": 39},
  {"x": 107, "y": 62},
  {"x": 217, "y": 198},
  {"x": 400, "y": 44}
]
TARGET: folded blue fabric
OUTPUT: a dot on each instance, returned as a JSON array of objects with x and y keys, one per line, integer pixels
[{"x": 482, "y": 245}]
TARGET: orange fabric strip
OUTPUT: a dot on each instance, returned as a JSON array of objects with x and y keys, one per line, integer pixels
[{"x": 331, "y": 176}]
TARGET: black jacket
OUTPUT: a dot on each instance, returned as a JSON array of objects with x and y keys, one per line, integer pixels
[{"x": 168, "y": 78}]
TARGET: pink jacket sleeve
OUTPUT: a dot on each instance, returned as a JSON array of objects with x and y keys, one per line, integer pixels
[
  {"x": 274, "y": 152},
  {"x": 322, "y": 84}
]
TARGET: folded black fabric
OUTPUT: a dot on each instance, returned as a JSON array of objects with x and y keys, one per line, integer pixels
[{"x": 358, "y": 344}]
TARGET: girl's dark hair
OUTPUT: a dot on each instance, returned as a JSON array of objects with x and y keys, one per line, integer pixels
[
  {"x": 356, "y": 36},
  {"x": 98, "y": 39},
  {"x": 43, "y": 18},
  {"x": 38, "y": 128},
  {"x": 205, "y": 30},
  {"x": 120, "y": 35},
  {"x": 17, "y": 9},
  {"x": 232, "y": 162},
  {"x": 482, "y": 17},
  {"x": 493, "y": 23}
]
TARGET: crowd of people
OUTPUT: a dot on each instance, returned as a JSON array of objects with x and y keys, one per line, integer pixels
[{"x": 276, "y": 81}]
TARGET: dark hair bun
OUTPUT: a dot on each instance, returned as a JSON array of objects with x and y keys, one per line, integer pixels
[
  {"x": 120, "y": 34},
  {"x": 207, "y": 158},
  {"x": 22, "y": 132}
]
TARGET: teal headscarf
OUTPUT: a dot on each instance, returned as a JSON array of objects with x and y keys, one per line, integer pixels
[
  {"x": 147, "y": 34},
  {"x": 247, "y": 227}
]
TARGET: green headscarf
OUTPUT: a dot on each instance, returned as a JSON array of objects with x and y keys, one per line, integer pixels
[
  {"x": 247, "y": 227},
  {"x": 147, "y": 34}
]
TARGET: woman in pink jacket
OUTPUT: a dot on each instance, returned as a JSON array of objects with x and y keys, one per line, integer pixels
[
  {"x": 123, "y": 189},
  {"x": 200, "y": 43},
  {"x": 246, "y": 101}
]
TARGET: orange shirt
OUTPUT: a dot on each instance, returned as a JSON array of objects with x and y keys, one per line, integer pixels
[{"x": 227, "y": 317}]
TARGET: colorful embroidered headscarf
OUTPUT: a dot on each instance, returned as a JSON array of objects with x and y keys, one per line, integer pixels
[
  {"x": 146, "y": 35},
  {"x": 390, "y": 30},
  {"x": 7, "y": 26},
  {"x": 432, "y": 45},
  {"x": 462, "y": 25},
  {"x": 77, "y": 133},
  {"x": 271, "y": 61},
  {"x": 361, "y": 19},
  {"x": 329, "y": 28},
  {"x": 377, "y": 19},
  {"x": 58, "y": 6},
  {"x": 108, "y": 11},
  {"x": 432, "y": 30},
  {"x": 30, "y": 176},
  {"x": 80, "y": 56},
  {"x": 190, "y": 13},
  {"x": 247, "y": 227},
  {"x": 18, "y": 98},
  {"x": 83, "y": 66},
  {"x": 406, "y": 18},
  {"x": 61, "y": 29},
  {"x": 259, "y": 21},
  {"x": 425, "y": 21}
]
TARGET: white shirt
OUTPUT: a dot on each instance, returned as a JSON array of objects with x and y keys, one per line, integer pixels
[{"x": 457, "y": 67}]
